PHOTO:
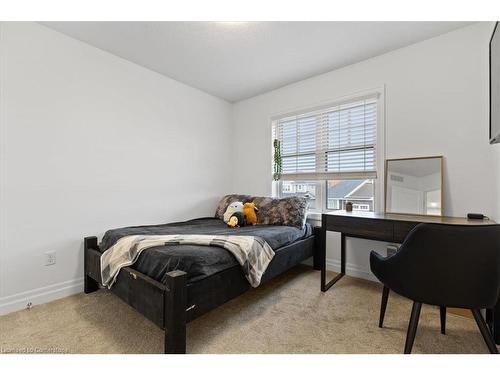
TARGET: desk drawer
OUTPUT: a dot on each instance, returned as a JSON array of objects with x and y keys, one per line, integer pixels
[
  {"x": 360, "y": 227},
  {"x": 402, "y": 228}
]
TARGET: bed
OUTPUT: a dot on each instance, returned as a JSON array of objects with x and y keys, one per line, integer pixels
[{"x": 174, "y": 284}]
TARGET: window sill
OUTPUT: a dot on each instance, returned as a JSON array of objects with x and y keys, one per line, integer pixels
[{"x": 314, "y": 215}]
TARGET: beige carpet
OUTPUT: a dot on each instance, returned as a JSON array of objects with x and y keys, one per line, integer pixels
[{"x": 288, "y": 315}]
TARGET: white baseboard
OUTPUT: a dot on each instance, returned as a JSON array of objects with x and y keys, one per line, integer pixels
[
  {"x": 351, "y": 270},
  {"x": 38, "y": 296}
]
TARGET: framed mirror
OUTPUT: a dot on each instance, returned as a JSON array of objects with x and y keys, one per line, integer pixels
[{"x": 414, "y": 186}]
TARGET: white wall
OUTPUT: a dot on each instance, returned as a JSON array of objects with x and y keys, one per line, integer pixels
[
  {"x": 436, "y": 104},
  {"x": 90, "y": 141}
]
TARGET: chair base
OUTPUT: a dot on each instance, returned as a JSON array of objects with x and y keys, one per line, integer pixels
[
  {"x": 415, "y": 315},
  {"x": 485, "y": 331},
  {"x": 412, "y": 326},
  {"x": 383, "y": 306}
]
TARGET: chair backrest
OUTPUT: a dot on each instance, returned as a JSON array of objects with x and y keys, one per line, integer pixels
[{"x": 450, "y": 265}]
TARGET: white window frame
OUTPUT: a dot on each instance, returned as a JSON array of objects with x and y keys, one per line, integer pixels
[{"x": 321, "y": 198}]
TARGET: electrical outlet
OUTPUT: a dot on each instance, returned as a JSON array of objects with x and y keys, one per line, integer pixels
[
  {"x": 392, "y": 249},
  {"x": 50, "y": 258}
]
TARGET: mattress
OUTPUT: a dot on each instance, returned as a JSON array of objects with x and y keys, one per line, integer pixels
[{"x": 201, "y": 262}]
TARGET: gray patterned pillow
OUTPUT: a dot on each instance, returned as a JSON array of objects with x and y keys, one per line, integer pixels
[{"x": 291, "y": 211}]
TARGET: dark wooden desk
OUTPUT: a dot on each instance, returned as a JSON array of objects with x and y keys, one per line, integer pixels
[{"x": 380, "y": 227}]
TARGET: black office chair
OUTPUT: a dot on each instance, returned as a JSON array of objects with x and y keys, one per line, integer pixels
[{"x": 446, "y": 266}]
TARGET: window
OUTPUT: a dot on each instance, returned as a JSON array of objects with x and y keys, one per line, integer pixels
[
  {"x": 330, "y": 154},
  {"x": 306, "y": 189},
  {"x": 360, "y": 192}
]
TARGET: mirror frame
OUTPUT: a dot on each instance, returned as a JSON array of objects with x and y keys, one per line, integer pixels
[{"x": 441, "y": 157}]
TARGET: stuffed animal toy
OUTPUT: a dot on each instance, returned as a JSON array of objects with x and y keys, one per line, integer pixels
[
  {"x": 249, "y": 212},
  {"x": 236, "y": 220},
  {"x": 231, "y": 209}
]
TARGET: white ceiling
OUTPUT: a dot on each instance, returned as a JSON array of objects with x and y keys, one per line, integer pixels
[{"x": 238, "y": 60}]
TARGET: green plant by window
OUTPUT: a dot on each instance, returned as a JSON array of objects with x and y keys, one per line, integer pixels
[{"x": 277, "y": 160}]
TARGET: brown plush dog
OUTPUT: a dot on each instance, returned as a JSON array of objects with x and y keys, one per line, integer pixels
[{"x": 249, "y": 211}]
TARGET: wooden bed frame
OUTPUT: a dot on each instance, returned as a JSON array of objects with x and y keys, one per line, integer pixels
[{"x": 166, "y": 305}]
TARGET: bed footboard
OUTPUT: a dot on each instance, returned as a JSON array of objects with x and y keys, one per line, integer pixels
[
  {"x": 175, "y": 302},
  {"x": 164, "y": 305}
]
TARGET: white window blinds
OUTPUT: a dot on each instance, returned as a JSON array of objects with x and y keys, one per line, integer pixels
[{"x": 331, "y": 143}]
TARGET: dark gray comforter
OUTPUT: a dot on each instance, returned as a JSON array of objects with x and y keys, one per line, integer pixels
[{"x": 198, "y": 261}]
